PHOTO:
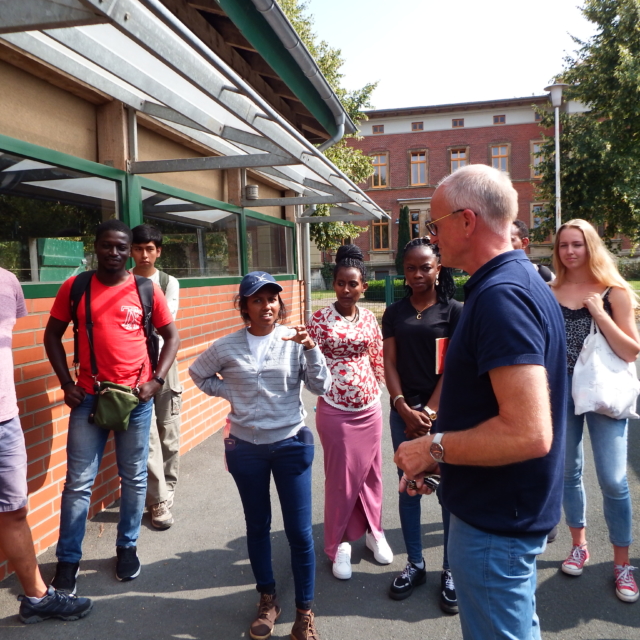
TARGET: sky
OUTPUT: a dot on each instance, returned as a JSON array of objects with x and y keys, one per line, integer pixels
[{"x": 425, "y": 52}]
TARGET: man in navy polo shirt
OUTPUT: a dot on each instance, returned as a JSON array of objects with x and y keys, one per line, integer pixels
[{"x": 500, "y": 440}]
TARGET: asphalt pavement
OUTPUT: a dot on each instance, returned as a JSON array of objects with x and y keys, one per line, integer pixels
[{"x": 196, "y": 582}]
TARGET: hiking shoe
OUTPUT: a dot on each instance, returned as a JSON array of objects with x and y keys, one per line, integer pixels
[
  {"x": 268, "y": 612},
  {"x": 56, "y": 604},
  {"x": 65, "y": 579},
  {"x": 342, "y": 564},
  {"x": 574, "y": 564},
  {"x": 552, "y": 535},
  {"x": 402, "y": 587},
  {"x": 448, "y": 598},
  {"x": 304, "y": 627},
  {"x": 127, "y": 564},
  {"x": 381, "y": 549},
  {"x": 161, "y": 517},
  {"x": 626, "y": 587}
]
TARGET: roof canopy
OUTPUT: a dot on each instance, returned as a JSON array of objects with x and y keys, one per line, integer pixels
[{"x": 140, "y": 53}]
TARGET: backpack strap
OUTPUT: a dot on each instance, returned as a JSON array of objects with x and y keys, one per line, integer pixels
[
  {"x": 78, "y": 289},
  {"x": 145, "y": 293},
  {"x": 164, "y": 280}
]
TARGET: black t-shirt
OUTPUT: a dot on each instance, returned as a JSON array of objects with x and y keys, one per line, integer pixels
[{"x": 416, "y": 342}]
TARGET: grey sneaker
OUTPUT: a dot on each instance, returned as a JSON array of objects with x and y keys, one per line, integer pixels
[{"x": 161, "y": 517}]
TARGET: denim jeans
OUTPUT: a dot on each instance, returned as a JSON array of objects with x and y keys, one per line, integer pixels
[
  {"x": 85, "y": 446},
  {"x": 409, "y": 506},
  {"x": 609, "y": 445},
  {"x": 251, "y": 466},
  {"x": 495, "y": 579}
]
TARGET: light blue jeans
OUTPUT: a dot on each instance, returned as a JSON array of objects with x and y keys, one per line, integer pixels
[
  {"x": 609, "y": 444},
  {"x": 409, "y": 506},
  {"x": 85, "y": 446},
  {"x": 495, "y": 579}
]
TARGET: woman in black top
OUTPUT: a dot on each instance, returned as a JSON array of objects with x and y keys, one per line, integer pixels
[{"x": 412, "y": 329}]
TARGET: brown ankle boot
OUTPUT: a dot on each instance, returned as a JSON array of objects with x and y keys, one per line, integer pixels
[
  {"x": 304, "y": 628},
  {"x": 268, "y": 612}
]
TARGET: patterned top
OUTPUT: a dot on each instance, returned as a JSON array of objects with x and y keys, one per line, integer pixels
[
  {"x": 354, "y": 356},
  {"x": 577, "y": 323}
]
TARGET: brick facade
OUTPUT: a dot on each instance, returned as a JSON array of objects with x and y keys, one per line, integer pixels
[
  {"x": 206, "y": 313},
  {"x": 437, "y": 140}
]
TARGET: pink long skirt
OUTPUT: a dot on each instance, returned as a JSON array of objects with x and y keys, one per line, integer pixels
[{"x": 353, "y": 473}]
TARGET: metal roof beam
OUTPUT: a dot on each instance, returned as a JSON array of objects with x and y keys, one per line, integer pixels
[
  {"x": 208, "y": 163},
  {"x": 32, "y": 15},
  {"x": 284, "y": 202},
  {"x": 337, "y": 217}
]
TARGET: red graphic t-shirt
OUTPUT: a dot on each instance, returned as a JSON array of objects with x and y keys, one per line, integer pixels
[{"x": 118, "y": 336}]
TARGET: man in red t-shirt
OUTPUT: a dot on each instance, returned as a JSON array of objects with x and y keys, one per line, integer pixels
[{"x": 121, "y": 355}]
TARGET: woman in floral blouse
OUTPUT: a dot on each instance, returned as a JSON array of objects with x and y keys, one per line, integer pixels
[{"x": 349, "y": 417}]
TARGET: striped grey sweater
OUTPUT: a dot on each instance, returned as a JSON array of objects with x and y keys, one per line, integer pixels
[{"x": 265, "y": 404}]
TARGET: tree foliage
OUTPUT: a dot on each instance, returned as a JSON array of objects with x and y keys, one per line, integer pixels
[
  {"x": 404, "y": 235},
  {"x": 600, "y": 149},
  {"x": 352, "y": 162}
]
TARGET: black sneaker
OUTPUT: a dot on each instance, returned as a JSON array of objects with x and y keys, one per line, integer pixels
[
  {"x": 65, "y": 578},
  {"x": 402, "y": 587},
  {"x": 448, "y": 598},
  {"x": 128, "y": 564},
  {"x": 55, "y": 604}
]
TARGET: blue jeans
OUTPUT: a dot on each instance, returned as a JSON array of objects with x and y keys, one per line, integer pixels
[
  {"x": 409, "y": 506},
  {"x": 609, "y": 444},
  {"x": 495, "y": 579},
  {"x": 85, "y": 446},
  {"x": 251, "y": 466}
]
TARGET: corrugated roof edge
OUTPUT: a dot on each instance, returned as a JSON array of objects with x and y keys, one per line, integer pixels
[{"x": 290, "y": 58}]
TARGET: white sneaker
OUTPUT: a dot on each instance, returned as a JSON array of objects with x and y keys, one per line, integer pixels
[
  {"x": 381, "y": 549},
  {"x": 342, "y": 564}
]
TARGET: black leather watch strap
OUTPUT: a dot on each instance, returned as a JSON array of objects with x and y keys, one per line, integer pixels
[{"x": 159, "y": 380}]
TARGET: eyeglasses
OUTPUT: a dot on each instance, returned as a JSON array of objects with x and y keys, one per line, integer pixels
[{"x": 432, "y": 228}]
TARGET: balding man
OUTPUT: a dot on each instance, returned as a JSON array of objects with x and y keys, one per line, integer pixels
[{"x": 500, "y": 440}]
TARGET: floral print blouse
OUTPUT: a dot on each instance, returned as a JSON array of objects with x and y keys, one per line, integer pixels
[{"x": 353, "y": 351}]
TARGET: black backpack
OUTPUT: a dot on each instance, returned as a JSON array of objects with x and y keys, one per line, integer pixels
[{"x": 145, "y": 293}]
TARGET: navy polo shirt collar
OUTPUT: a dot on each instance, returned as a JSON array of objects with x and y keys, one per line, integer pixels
[{"x": 483, "y": 271}]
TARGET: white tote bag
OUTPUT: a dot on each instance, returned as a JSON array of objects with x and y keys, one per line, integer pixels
[{"x": 602, "y": 381}]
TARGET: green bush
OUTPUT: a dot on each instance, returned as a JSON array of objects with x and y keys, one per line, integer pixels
[
  {"x": 375, "y": 292},
  {"x": 629, "y": 269}
]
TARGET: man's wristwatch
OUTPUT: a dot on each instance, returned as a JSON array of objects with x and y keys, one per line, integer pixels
[
  {"x": 433, "y": 415},
  {"x": 159, "y": 380},
  {"x": 437, "y": 450}
]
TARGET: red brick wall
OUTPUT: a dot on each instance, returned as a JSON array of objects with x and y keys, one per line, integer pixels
[
  {"x": 478, "y": 140},
  {"x": 206, "y": 313}
]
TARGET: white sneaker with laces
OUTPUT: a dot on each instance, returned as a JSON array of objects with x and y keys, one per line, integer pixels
[
  {"x": 381, "y": 549},
  {"x": 342, "y": 563}
]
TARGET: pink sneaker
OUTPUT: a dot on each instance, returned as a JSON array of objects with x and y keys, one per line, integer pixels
[
  {"x": 626, "y": 587},
  {"x": 574, "y": 564}
]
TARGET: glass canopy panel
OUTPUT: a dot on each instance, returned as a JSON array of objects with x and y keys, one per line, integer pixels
[
  {"x": 48, "y": 218},
  {"x": 198, "y": 241}
]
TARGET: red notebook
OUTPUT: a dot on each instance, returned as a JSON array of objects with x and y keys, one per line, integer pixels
[{"x": 442, "y": 344}]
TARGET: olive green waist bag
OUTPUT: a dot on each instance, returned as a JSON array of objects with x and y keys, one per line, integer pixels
[{"x": 114, "y": 404}]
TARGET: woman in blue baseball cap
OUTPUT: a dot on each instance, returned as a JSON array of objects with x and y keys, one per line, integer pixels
[{"x": 259, "y": 370}]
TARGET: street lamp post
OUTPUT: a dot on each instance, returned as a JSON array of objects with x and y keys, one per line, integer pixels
[{"x": 556, "y": 101}]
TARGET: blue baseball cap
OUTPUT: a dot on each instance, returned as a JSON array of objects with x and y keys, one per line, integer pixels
[{"x": 255, "y": 280}]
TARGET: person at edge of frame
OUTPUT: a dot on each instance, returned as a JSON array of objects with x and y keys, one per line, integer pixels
[
  {"x": 500, "y": 439},
  {"x": 39, "y": 602},
  {"x": 122, "y": 357},
  {"x": 164, "y": 436}
]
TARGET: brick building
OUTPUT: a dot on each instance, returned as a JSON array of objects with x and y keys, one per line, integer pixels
[{"x": 414, "y": 148}]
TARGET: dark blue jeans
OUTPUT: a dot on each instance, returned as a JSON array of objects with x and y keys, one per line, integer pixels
[
  {"x": 251, "y": 466},
  {"x": 409, "y": 506}
]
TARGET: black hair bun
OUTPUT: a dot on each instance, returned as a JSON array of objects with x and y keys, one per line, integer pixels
[{"x": 349, "y": 252}]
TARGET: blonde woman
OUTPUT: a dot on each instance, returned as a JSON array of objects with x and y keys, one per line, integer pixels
[{"x": 588, "y": 285}]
